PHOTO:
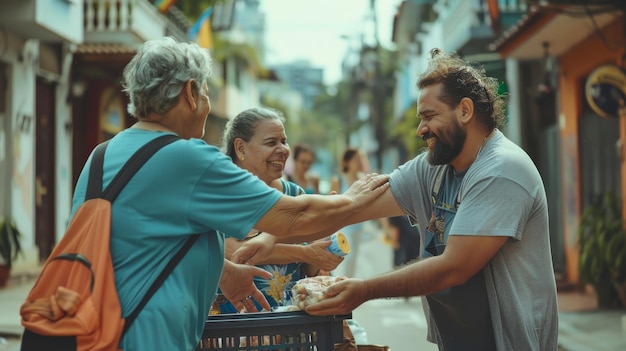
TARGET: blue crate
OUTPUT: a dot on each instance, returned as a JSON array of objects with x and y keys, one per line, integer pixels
[{"x": 272, "y": 331}]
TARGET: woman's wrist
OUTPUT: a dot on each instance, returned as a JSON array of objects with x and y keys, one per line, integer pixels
[
  {"x": 228, "y": 266},
  {"x": 312, "y": 272}
]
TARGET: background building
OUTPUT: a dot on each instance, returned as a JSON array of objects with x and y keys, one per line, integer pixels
[{"x": 302, "y": 77}]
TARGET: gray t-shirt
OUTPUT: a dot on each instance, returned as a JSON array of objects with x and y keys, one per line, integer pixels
[{"x": 501, "y": 194}]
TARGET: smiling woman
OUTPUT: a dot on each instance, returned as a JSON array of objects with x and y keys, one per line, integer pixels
[{"x": 256, "y": 140}]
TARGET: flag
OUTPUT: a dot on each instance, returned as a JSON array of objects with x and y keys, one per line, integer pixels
[
  {"x": 201, "y": 32},
  {"x": 164, "y": 5},
  {"x": 205, "y": 36},
  {"x": 494, "y": 10}
]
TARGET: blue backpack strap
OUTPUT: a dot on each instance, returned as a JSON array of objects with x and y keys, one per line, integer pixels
[
  {"x": 94, "y": 182},
  {"x": 128, "y": 321},
  {"x": 136, "y": 161}
]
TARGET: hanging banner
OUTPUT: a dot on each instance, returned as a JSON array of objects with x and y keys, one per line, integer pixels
[
  {"x": 164, "y": 5},
  {"x": 605, "y": 90}
]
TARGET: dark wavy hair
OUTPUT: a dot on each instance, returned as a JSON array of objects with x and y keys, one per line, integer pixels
[
  {"x": 461, "y": 79},
  {"x": 349, "y": 154},
  {"x": 301, "y": 148}
]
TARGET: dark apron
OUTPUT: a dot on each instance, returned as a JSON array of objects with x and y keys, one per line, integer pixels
[{"x": 461, "y": 313}]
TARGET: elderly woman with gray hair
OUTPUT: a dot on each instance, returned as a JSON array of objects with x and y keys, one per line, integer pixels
[
  {"x": 255, "y": 140},
  {"x": 187, "y": 188}
]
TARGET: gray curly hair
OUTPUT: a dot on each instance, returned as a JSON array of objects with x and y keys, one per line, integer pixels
[
  {"x": 242, "y": 126},
  {"x": 155, "y": 76}
]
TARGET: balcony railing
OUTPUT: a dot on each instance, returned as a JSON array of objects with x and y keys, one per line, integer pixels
[
  {"x": 130, "y": 21},
  {"x": 467, "y": 23}
]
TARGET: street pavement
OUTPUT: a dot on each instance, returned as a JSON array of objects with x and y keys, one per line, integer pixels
[{"x": 397, "y": 323}]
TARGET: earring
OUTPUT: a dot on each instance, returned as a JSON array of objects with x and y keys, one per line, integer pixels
[{"x": 242, "y": 158}]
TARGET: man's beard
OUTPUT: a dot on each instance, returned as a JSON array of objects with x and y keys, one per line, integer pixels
[{"x": 445, "y": 152}]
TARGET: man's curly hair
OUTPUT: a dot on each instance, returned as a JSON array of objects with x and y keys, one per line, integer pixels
[{"x": 461, "y": 79}]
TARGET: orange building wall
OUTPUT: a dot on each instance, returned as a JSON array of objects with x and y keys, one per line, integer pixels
[{"x": 574, "y": 67}]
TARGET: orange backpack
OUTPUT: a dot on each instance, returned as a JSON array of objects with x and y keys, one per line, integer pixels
[{"x": 74, "y": 303}]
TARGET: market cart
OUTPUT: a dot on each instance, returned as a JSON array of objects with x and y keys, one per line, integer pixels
[{"x": 272, "y": 331}]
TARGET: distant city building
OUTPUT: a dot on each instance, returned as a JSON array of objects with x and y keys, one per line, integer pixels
[
  {"x": 302, "y": 77},
  {"x": 250, "y": 20}
]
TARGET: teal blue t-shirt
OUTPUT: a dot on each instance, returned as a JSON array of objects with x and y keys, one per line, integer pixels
[{"x": 188, "y": 187}]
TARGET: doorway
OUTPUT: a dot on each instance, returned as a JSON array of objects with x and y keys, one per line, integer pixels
[
  {"x": 44, "y": 168},
  {"x": 599, "y": 157},
  {"x": 5, "y": 165}
]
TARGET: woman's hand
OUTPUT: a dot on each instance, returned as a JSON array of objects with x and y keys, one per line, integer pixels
[
  {"x": 254, "y": 250},
  {"x": 367, "y": 188},
  {"x": 320, "y": 258},
  {"x": 238, "y": 287}
]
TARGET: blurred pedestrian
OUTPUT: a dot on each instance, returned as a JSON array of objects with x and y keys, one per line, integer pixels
[
  {"x": 402, "y": 237},
  {"x": 303, "y": 159},
  {"x": 352, "y": 169}
]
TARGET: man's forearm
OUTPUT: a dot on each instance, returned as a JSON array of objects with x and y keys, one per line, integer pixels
[{"x": 421, "y": 278}]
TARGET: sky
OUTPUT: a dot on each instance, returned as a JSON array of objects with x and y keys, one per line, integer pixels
[{"x": 323, "y": 31}]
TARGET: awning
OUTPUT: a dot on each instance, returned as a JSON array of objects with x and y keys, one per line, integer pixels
[
  {"x": 113, "y": 48},
  {"x": 105, "y": 53},
  {"x": 561, "y": 29}
]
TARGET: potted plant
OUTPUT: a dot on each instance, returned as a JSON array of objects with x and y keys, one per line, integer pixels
[
  {"x": 602, "y": 240},
  {"x": 616, "y": 259},
  {"x": 10, "y": 248}
]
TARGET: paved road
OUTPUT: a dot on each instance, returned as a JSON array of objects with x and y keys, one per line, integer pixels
[{"x": 398, "y": 323}]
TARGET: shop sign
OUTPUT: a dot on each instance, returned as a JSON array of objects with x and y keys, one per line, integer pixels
[{"x": 605, "y": 90}]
